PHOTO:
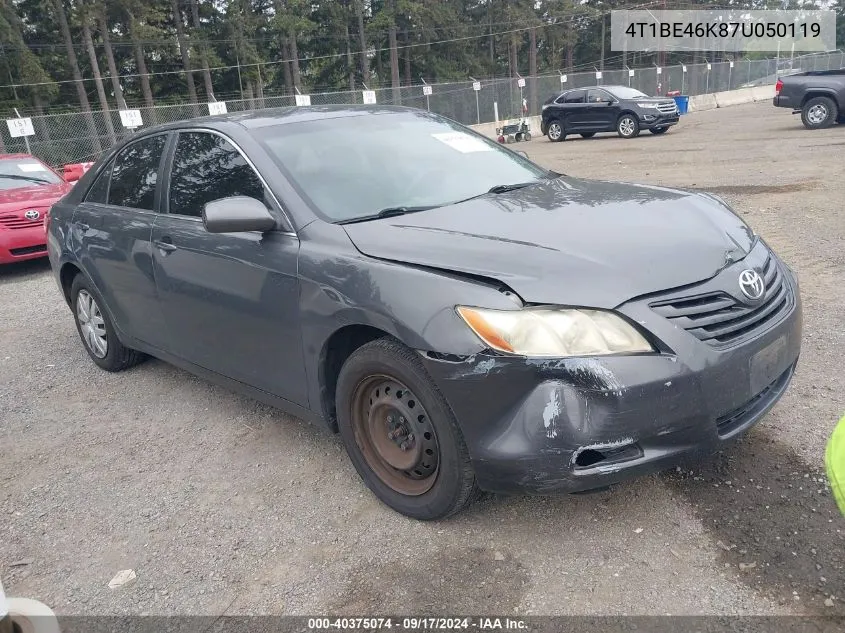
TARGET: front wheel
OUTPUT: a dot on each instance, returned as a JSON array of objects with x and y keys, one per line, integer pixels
[
  {"x": 659, "y": 130},
  {"x": 555, "y": 132},
  {"x": 400, "y": 433},
  {"x": 818, "y": 113},
  {"x": 628, "y": 126}
]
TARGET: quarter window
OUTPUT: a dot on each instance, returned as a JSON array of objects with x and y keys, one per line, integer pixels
[
  {"x": 135, "y": 173},
  {"x": 206, "y": 167},
  {"x": 99, "y": 191}
]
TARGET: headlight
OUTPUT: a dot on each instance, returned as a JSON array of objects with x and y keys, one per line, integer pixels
[{"x": 554, "y": 332}]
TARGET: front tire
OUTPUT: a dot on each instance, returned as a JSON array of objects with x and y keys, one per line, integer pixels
[
  {"x": 96, "y": 329},
  {"x": 819, "y": 113},
  {"x": 659, "y": 130},
  {"x": 400, "y": 433},
  {"x": 628, "y": 126},
  {"x": 555, "y": 132}
]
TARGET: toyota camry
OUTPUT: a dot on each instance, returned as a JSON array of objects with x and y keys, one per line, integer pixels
[{"x": 464, "y": 318}]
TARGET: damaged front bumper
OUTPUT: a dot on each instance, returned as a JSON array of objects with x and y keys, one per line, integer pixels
[{"x": 570, "y": 425}]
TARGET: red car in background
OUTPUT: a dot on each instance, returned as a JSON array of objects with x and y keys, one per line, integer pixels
[{"x": 28, "y": 188}]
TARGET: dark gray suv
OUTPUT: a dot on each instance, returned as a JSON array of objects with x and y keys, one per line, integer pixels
[{"x": 464, "y": 318}]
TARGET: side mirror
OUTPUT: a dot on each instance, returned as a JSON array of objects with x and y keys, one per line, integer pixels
[
  {"x": 610, "y": 103},
  {"x": 237, "y": 214}
]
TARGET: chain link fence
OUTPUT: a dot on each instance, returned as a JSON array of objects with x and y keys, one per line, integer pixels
[{"x": 76, "y": 136}]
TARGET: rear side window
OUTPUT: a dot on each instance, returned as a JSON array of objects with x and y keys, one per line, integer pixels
[
  {"x": 207, "y": 167},
  {"x": 135, "y": 173},
  {"x": 576, "y": 96},
  {"x": 99, "y": 191}
]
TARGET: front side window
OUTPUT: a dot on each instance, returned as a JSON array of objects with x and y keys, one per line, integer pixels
[
  {"x": 135, "y": 173},
  {"x": 207, "y": 167},
  {"x": 598, "y": 96},
  {"x": 16, "y": 173},
  {"x": 352, "y": 167}
]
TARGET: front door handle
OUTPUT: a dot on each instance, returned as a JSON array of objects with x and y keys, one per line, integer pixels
[{"x": 165, "y": 245}]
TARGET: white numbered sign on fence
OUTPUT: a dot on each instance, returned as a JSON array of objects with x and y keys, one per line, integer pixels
[
  {"x": 563, "y": 79},
  {"x": 659, "y": 70},
  {"x": 598, "y": 74},
  {"x": 369, "y": 96},
  {"x": 520, "y": 82},
  {"x": 630, "y": 73},
  {"x": 20, "y": 127},
  {"x": 215, "y": 107},
  {"x": 732, "y": 64},
  {"x": 476, "y": 85},
  {"x": 683, "y": 69},
  {"x": 131, "y": 118},
  {"x": 303, "y": 100},
  {"x": 426, "y": 90},
  {"x": 708, "y": 65}
]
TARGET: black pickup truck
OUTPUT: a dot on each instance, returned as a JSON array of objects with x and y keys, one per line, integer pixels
[{"x": 819, "y": 96}]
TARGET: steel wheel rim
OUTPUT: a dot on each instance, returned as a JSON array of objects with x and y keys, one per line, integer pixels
[
  {"x": 626, "y": 126},
  {"x": 91, "y": 324},
  {"x": 385, "y": 416},
  {"x": 554, "y": 131},
  {"x": 817, "y": 114}
]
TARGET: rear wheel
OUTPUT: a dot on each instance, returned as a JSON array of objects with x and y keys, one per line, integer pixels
[
  {"x": 627, "y": 126},
  {"x": 818, "y": 113},
  {"x": 588, "y": 134},
  {"x": 659, "y": 130},
  {"x": 96, "y": 329},
  {"x": 401, "y": 434},
  {"x": 555, "y": 132}
]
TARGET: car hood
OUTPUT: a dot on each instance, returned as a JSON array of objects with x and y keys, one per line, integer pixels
[
  {"x": 36, "y": 197},
  {"x": 569, "y": 241}
]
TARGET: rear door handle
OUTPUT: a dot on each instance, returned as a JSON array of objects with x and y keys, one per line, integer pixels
[{"x": 165, "y": 245}]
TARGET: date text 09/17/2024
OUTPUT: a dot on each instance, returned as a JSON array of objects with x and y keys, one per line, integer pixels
[{"x": 417, "y": 624}]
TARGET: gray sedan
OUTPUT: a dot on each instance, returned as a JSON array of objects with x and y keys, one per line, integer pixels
[{"x": 465, "y": 319}]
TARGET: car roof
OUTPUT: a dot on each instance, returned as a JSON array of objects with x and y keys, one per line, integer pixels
[{"x": 254, "y": 119}]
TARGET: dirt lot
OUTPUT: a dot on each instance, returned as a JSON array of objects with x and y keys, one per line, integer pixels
[{"x": 223, "y": 505}]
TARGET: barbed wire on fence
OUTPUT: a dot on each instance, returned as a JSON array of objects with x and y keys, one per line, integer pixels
[{"x": 67, "y": 137}]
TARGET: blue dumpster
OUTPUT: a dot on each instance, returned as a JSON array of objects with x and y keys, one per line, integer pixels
[{"x": 682, "y": 102}]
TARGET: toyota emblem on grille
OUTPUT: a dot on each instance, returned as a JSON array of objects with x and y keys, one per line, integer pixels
[
  {"x": 32, "y": 214},
  {"x": 751, "y": 284}
]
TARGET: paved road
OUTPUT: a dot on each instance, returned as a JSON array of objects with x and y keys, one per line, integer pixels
[{"x": 223, "y": 505}]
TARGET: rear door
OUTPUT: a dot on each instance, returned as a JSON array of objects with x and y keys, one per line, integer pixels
[
  {"x": 112, "y": 228},
  {"x": 230, "y": 300},
  {"x": 573, "y": 110},
  {"x": 601, "y": 110}
]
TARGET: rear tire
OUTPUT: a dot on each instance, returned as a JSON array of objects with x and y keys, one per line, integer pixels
[
  {"x": 659, "y": 130},
  {"x": 628, "y": 126},
  {"x": 96, "y": 329},
  {"x": 383, "y": 386},
  {"x": 819, "y": 113},
  {"x": 555, "y": 131},
  {"x": 588, "y": 134}
]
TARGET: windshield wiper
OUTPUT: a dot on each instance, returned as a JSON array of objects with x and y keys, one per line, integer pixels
[
  {"x": 506, "y": 188},
  {"x": 389, "y": 212},
  {"x": 29, "y": 178}
]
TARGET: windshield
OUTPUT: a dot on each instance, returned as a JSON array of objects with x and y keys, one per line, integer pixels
[
  {"x": 356, "y": 166},
  {"x": 621, "y": 92},
  {"x": 25, "y": 172}
]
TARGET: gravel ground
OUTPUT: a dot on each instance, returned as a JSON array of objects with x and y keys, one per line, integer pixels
[{"x": 222, "y": 505}]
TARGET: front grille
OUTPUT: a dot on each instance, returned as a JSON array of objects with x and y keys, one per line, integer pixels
[
  {"x": 28, "y": 250},
  {"x": 667, "y": 108},
  {"x": 17, "y": 222},
  {"x": 719, "y": 319},
  {"x": 741, "y": 416}
]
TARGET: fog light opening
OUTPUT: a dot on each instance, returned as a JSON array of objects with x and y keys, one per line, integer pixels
[
  {"x": 609, "y": 454},
  {"x": 587, "y": 458}
]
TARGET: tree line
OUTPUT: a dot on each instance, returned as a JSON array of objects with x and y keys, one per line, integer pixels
[{"x": 97, "y": 54}]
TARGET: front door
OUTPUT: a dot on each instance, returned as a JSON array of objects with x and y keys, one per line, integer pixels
[
  {"x": 601, "y": 111},
  {"x": 113, "y": 225},
  {"x": 230, "y": 300}
]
